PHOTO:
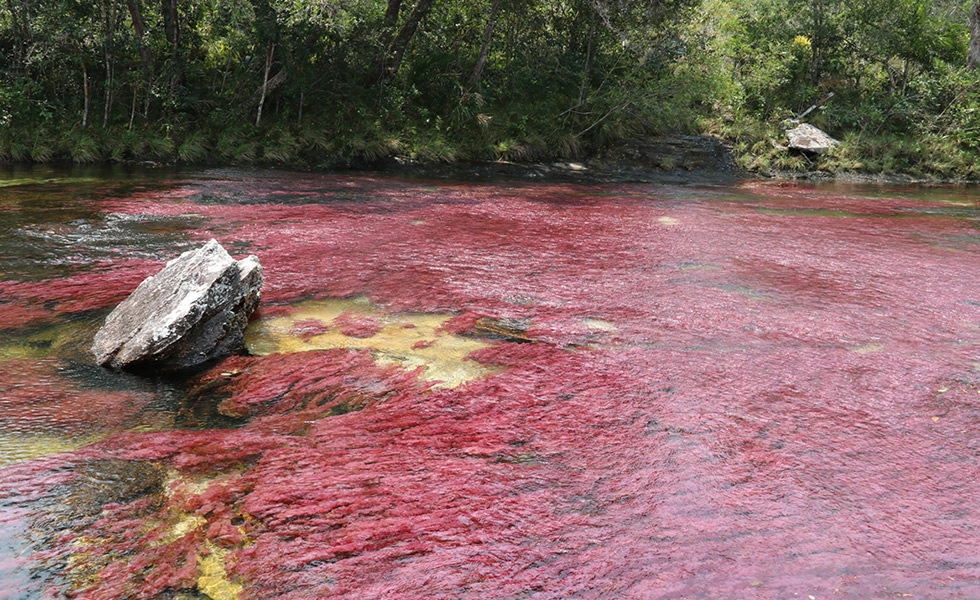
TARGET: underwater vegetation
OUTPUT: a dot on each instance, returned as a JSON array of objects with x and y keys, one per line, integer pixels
[{"x": 537, "y": 390}]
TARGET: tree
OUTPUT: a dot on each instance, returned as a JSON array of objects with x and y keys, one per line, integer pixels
[
  {"x": 393, "y": 51},
  {"x": 973, "y": 57},
  {"x": 481, "y": 61}
]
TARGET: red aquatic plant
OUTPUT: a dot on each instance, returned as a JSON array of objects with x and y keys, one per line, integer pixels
[
  {"x": 751, "y": 392},
  {"x": 306, "y": 329},
  {"x": 102, "y": 287},
  {"x": 355, "y": 325},
  {"x": 36, "y": 397},
  {"x": 19, "y": 313}
]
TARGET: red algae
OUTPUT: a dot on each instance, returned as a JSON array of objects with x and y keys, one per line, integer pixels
[
  {"x": 763, "y": 391},
  {"x": 356, "y": 326},
  {"x": 34, "y": 398},
  {"x": 102, "y": 287},
  {"x": 17, "y": 314},
  {"x": 309, "y": 328}
]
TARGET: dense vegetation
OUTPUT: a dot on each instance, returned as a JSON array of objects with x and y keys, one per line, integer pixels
[{"x": 326, "y": 82}]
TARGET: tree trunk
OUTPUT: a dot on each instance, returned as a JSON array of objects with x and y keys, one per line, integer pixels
[
  {"x": 171, "y": 21},
  {"x": 108, "y": 93},
  {"x": 132, "y": 113},
  {"x": 817, "y": 42},
  {"x": 587, "y": 68},
  {"x": 171, "y": 24},
  {"x": 85, "y": 88},
  {"x": 139, "y": 29},
  {"x": 973, "y": 57},
  {"x": 481, "y": 62},
  {"x": 391, "y": 60},
  {"x": 265, "y": 81},
  {"x": 110, "y": 21},
  {"x": 389, "y": 23}
]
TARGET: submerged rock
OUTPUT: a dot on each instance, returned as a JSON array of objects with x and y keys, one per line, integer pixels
[
  {"x": 508, "y": 330},
  {"x": 192, "y": 311},
  {"x": 808, "y": 138}
]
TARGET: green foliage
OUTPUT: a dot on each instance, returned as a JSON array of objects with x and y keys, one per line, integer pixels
[
  {"x": 42, "y": 150},
  {"x": 82, "y": 147},
  {"x": 887, "y": 77},
  {"x": 19, "y": 152},
  {"x": 194, "y": 148},
  {"x": 281, "y": 146},
  {"x": 556, "y": 79}
]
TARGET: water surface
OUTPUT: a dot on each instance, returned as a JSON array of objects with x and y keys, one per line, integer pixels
[{"x": 498, "y": 390}]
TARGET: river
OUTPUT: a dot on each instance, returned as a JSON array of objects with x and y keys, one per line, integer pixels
[{"x": 506, "y": 389}]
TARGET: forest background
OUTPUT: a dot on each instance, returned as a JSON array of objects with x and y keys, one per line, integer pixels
[{"x": 328, "y": 83}]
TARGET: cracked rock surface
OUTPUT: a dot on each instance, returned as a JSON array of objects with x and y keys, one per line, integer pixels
[{"x": 193, "y": 311}]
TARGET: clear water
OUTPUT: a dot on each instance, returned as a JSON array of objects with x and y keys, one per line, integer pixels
[{"x": 498, "y": 390}]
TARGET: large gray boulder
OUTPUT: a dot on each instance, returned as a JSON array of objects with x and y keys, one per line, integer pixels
[
  {"x": 191, "y": 312},
  {"x": 807, "y": 138}
]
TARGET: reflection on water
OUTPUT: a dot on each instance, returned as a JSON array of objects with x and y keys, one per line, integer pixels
[{"x": 763, "y": 390}]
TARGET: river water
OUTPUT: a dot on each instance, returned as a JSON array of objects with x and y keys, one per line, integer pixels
[{"x": 498, "y": 390}]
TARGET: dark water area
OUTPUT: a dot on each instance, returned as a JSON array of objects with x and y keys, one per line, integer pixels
[{"x": 760, "y": 390}]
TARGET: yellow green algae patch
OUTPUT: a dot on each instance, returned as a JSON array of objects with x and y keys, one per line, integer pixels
[
  {"x": 408, "y": 340},
  {"x": 18, "y": 446},
  {"x": 212, "y": 579},
  {"x": 868, "y": 348},
  {"x": 56, "y": 339}
]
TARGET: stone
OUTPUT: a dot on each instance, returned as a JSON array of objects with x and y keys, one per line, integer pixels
[
  {"x": 193, "y": 311},
  {"x": 807, "y": 138},
  {"x": 694, "y": 154}
]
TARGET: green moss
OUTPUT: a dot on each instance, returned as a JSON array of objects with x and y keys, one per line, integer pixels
[{"x": 44, "y": 341}]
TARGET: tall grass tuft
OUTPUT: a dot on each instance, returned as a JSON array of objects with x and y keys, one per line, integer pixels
[
  {"x": 281, "y": 146},
  {"x": 194, "y": 148},
  {"x": 132, "y": 145},
  {"x": 435, "y": 150},
  {"x": 236, "y": 143},
  {"x": 5, "y": 143},
  {"x": 19, "y": 151},
  {"x": 380, "y": 149},
  {"x": 531, "y": 148},
  {"x": 41, "y": 150},
  {"x": 313, "y": 139},
  {"x": 568, "y": 146},
  {"x": 159, "y": 145},
  {"x": 82, "y": 147},
  {"x": 246, "y": 152}
]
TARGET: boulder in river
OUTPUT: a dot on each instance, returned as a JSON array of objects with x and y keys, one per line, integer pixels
[
  {"x": 193, "y": 311},
  {"x": 807, "y": 138}
]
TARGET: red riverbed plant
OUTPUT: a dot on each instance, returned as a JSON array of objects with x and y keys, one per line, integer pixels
[{"x": 716, "y": 392}]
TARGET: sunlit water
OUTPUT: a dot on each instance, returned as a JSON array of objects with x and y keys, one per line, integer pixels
[{"x": 498, "y": 390}]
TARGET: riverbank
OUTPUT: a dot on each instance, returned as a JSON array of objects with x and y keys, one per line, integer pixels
[{"x": 667, "y": 159}]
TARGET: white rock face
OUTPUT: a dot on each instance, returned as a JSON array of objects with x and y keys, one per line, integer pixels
[
  {"x": 192, "y": 311},
  {"x": 808, "y": 138}
]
